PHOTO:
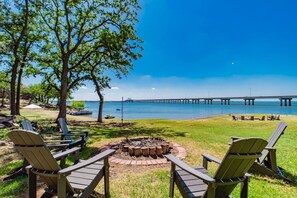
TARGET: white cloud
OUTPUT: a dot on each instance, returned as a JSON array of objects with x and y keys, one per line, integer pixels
[
  {"x": 153, "y": 88},
  {"x": 115, "y": 88},
  {"x": 84, "y": 87}
]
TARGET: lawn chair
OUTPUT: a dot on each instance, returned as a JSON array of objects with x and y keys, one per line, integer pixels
[
  {"x": 52, "y": 144},
  {"x": 266, "y": 163},
  {"x": 67, "y": 135},
  {"x": 196, "y": 182},
  {"x": 75, "y": 181},
  {"x": 234, "y": 117},
  {"x": 27, "y": 125}
]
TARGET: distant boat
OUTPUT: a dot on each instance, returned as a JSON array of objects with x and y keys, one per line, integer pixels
[
  {"x": 109, "y": 117},
  {"x": 118, "y": 109},
  {"x": 80, "y": 112}
]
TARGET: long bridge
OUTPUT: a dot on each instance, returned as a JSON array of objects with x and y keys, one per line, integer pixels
[{"x": 285, "y": 100}]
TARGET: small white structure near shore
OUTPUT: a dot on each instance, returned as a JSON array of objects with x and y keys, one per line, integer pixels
[{"x": 32, "y": 106}]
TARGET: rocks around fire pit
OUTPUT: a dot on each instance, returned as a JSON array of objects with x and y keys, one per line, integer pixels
[
  {"x": 144, "y": 146},
  {"x": 144, "y": 151}
]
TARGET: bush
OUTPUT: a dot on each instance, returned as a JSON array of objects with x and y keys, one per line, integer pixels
[{"x": 78, "y": 104}]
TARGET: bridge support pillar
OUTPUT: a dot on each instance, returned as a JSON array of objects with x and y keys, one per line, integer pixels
[{"x": 286, "y": 102}]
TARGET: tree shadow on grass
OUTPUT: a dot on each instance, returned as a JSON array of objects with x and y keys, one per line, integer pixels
[
  {"x": 137, "y": 131},
  {"x": 288, "y": 175}
]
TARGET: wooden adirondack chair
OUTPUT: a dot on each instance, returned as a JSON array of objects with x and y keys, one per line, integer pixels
[
  {"x": 27, "y": 125},
  {"x": 266, "y": 163},
  {"x": 75, "y": 181},
  {"x": 52, "y": 144},
  {"x": 196, "y": 182},
  {"x": 67, "y": 135}
]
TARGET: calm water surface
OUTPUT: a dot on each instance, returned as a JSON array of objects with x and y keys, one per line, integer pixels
[{"x": 187, "y": 111}]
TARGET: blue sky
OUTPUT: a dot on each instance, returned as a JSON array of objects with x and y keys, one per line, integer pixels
[{"x": 201, "y": 48}]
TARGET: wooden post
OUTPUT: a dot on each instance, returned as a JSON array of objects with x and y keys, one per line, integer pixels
[
  {"x": 172, "y": 178},
  {"x": 205, "y": 162},
  {"x": 272, "y": 159},
  {"x": 290, "y": 102},
  {"x": 32, "y": 184},
  {"x": 61, "y": 186},
  {"x": 106, "y": 177},
  {"x": 281, "y": 102},
  {"x": 211, "y": 192},
  {"x": 244, "y": 188}
]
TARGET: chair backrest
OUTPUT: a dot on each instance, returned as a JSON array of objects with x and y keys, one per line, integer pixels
[
  {"x": 32, "y": 147},
  {"x": 237, "y": 161},
  {"x": 273, "y": 139},
  {"x": 27, "y": 125},
  {"x": 64, "y": 128}
]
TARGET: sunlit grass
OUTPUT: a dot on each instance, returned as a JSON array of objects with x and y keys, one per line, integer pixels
[{"x": 199, "y": 136}]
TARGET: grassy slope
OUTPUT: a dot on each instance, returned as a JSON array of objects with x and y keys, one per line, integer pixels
[{"x": 197, "y": 136}]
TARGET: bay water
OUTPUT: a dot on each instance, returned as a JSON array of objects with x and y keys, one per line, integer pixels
[{"x": 137, "y": 110}]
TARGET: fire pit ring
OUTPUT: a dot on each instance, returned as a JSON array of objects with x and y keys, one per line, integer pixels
[{"x": 144, "y": 151}]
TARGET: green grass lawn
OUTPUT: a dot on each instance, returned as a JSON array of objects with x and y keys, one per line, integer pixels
[{"x": 199, "y": 136}]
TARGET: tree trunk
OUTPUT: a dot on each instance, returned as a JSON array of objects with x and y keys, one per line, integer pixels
[
  {"x": 12, "y": 87},
  {"x": 18, "y": 95},
  {"x": 100, "y": 116},
  {"x": 3, "y": 98},
  {"x": 63, "y": 92}
]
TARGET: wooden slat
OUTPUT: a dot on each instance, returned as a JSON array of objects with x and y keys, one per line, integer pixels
[
  {"x": 81, "y": 181},
  {"x": 273, "y": 139},
  {"x": 232, "y": 167},
  {"x": 82, "y": 175},
  {"x": 189, "y": 184}
]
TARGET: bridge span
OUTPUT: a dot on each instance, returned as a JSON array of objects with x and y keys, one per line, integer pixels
[{"x": 285, "y": 100}]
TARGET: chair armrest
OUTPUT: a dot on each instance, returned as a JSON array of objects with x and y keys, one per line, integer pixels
[
  {"x": 211, "y": 158},
  {"x": 75, "y": 131},
  {"x": 248, "y": 175},
  {"x": 69, "y": 134},
  {"x": 66, "y": 153},
  {"x": 61, "y": 141},
  {"x": 189, "y": 169},
  {"x": 234, "y": 138},
  {"x": 86, "y": 162},
  {"x": 270, "y": 148}
]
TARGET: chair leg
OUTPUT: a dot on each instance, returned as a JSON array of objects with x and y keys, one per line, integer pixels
[
  {"x": 106, "y": 177},
  {"x": 172, "y": 178},
  {"x": 244, "y": 188},
  {"x": 211, "y": 191},
  {"x": 272, "y": 160},
  {"x": 62, "y": 187},
  {"x": 32, "y": 184}
]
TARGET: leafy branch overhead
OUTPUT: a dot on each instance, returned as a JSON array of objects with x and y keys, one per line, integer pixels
[
  {"x": 68, "y": 42},
  {"x": 85, "y": 40}
]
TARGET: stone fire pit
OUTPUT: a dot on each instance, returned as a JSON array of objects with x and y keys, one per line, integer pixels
[
  {"x": 144, "y": 151},
  {"x": 145, "y": 146}
]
